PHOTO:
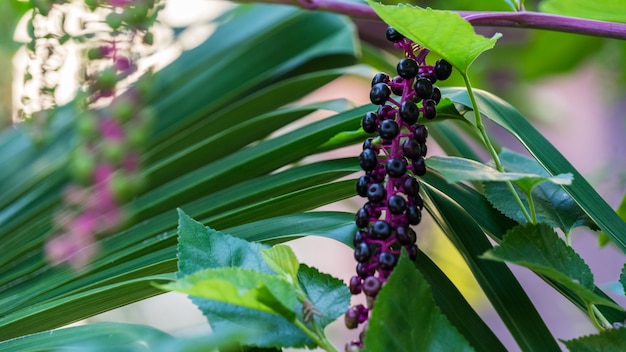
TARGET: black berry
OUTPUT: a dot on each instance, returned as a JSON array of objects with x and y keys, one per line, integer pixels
[
  {"x": 358, "y": 238},
  {"x": 396, "y": 167},
  {"x": 411, "y": 148},
  {"x": 363, "y": 270},
  {"x": 405, "y": 235},
  {"x": 420, "y": 134},
  {"x": 407, "y": 68},
  {"x": 393, "y": 35},
  {"x": 355, "y": 285},
  {"x": 362, "y": 218},
  {"x": 362, "y": 184},
  {"x": 430, "y": 109},
  {"x": 397, "y": 85},
  {"x": 379, "y": 93},
  {"x": 409, "y": 113},
  {"x": 380, "y": 230},
  {"x": 436, "y": 95},
  {"x": 396, "y": 204},
  {"x": 388, "y": 129},
  {"x": 419, "y": 167},
  {"x": 380, "y": 78},
  {"x": 443, "y": 69},
  {"x": 369, "y": 122},
  {"x": 423, "y": 88},
  {"x": 413, "y": 215},
  {"x": 411, "y": 186},
  {"x": 412, "y": 251},
  {"x": 376, "y": 193},
  {"x": 386, "y": 260},
  {"x": 362, "y": 252},
  {"x": 368, "y": 160}
]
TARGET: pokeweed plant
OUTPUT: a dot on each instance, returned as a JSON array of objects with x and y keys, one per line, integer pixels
[{"x": 257, "y": 295}]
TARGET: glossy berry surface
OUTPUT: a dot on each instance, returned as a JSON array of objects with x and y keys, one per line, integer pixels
[
  {"x": 411, "y": 148},
  {"x": 413, "y": 215},
  {"x": 380, "y": 230},
  {"x": 376, "y": 193},
  {"x": 362, "y": 252},
  {"x": 371, "y": 286},
  {"x": 396, "y": 167},
  {"x": 380, "y": 78},
  {"x": 409, "y": 112},
  {"x": 388, "y": 129},
  {"x": 430, "y": 109},
  {"x": 443, "y": 69},
  {"x": 407, "y": 68},
  {"x": 368, "y": 160},
  {"x": 369, "y": 122},
  {"x": 362, "y": 183},
  {"x": 393, "y": 35},
  {"x": 387, "y": 260},
  {"x": 379, "y": 93},
  {"x": 423, "y": 88},
  {"x": 396, "y": 204},
  {"x": 362, "y": 218}
]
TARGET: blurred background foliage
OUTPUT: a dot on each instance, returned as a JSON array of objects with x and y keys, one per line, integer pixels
[{"x": 526, "y": 68}]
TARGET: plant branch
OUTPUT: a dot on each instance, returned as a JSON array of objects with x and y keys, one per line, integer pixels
[{"x": 521, "y": 19}]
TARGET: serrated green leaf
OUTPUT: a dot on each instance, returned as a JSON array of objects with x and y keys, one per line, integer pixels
[
  {"x": 553, "y": 205},
  {"x": 622, "y": 278},
  {"x": 456, "y": 169},
  {"x": 283, "y": 261},
  {"x": 548, "y": 156},
  {"x": 240, "y": 287},
  {"x": 410, "y": 322},
  {"x": 443, "y": 32},
  {"x": 329, "y": 295},
  {"x": 610, "y": 340},
  {"x": 202, "y": 248},
  {"x": 603, "y": 10},
  {"x": 538, "y": 247}
]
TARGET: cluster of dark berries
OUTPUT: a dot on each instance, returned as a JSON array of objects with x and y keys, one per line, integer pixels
[{"x": 391, "y": 160}]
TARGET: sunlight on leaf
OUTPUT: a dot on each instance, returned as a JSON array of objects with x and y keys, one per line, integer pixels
[
  {"x": 283, "y": 261},
  {"x": 443, "y": 32},
  {"x": 410, "y": 322}
]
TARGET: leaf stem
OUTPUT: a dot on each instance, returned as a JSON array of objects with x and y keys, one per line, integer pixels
[
  {"x": 595, "y": 314},
  {"x": 318, "y": 337},
  {"x": 520, "y": 19},
  {"x": 492, "y": 150},
  {"x": 531, "y": 207}
]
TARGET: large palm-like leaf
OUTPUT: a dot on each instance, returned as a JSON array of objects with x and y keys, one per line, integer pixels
[{"x": 209, "y": 154}]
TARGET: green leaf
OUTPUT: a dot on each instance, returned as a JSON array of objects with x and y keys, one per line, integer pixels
[
  {"x": 603, "y": 238},
  {"x": 553, "y": 205},
  {"x": 610, "y": 340},
  {"x": 549, "y": 157},
  {"x": 92, "y": 337},
  {"x": 622, "y": 278},
  {"x": 497, "y": 281},
  {"x": 410, "y": 322},
  {"x": 603, "y": 10},
  {"x": 240, "y": 287},
  {"x": 456, "y": 169},
  {"x": 329, "y": 295},
  {"x": 443, "y": 32},
  {"x": 283, "y": 261},
  {"x": 203, "y": 248},
  {"x": 539, "y": 248}
]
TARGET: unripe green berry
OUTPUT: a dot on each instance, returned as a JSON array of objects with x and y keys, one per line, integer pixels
[{"x": 114, "y": 20}]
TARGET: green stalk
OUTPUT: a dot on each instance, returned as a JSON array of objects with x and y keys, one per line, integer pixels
[
  {"x": 321, "y": 341},
  {"x": 492, "y": 150}
]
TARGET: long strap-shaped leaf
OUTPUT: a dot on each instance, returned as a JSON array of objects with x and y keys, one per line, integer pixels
[
  {"x": 500, "y": 286},
  {"x": 552, "y": 160}
]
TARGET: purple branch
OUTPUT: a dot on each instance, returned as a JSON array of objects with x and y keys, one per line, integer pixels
[{"x": 522, "y": 19}]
